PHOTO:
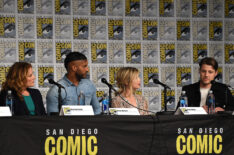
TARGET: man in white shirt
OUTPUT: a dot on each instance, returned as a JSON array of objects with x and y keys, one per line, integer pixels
[{"x": 197, "y": 92}]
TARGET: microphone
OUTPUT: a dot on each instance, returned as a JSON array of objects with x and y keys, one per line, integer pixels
[
  {"x": 108, "y": 84},
  {"x": 51, "y": 81},
  {"x": 156, "y": 81}
]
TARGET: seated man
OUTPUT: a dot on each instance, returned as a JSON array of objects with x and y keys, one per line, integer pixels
[
  {"x": 78, "y": 89},
  {"x": 197, "y": 92}
]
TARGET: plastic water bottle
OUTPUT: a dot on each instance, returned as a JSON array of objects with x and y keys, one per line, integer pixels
[
  {"x": 9, "y": 101},
  {"x": 183, "y": 99},
  {"x": 105, "y": 106},
  {"x": 210, "y": 102}
]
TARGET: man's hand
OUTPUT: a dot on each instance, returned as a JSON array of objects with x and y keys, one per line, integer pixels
[{"x": 205, "y": 107}]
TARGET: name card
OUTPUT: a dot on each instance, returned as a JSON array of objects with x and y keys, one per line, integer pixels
[
  {"x": 124, "y": 111},
  {"x": 76, "y": 110},
  {"x": 190, "y": 111},
  {"x": 5, "y": 111}
]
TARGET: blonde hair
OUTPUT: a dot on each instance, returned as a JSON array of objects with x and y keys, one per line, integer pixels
[
  {"x": 17, "y": 77},
  {"x": 124, "y": 78}
]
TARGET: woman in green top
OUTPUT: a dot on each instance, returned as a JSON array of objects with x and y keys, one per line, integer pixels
[{"x": 26, "y": 100}]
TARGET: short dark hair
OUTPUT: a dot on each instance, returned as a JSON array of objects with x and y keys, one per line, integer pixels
[
  {"x": 209, "y": 61},
  {"x": 73, "y": 56}
]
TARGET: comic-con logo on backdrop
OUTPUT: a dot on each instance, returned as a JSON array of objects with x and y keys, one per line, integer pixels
[
  {"x": 98, "y": 28},
  {"x": 216, "y": 31},
  {"x": 216, "y": 8},
  {"x": 80, "y": 7},
  {"x": 216, "y": 51},
  {"x": 7, "y": 51},
  {"x": 97, "y": 74},
  {"x": 7, "y": 27},
  {"x": 133, "y": 52},
  {"x": 62, "y": 50},
  {"x": 166, "y": 8},
  {"x": 170, "y": 100},
  {"x": 150, "y": 8},
  {"x": 167, "y": 30},
  {"x": 60, "y": 72},
  {"x": 229, "y": 53},
  {"x": 45, "y": 73},
  {"x": 199, "y": 8},
  {"x": 115, "y": 29},
  {"x": 183, "y": 8},
  {"x": 167, "y": 53},
  {"x": 3, "y": 73},
  {"x": 82, "y": 47},
  {"x": 25, "y": 6},
  {"x": 98, "y": 52},
  {"x": 44, "y": 7},
  {"x": 116, "y": 52},
  {"x": 80, "y": 28},
  {"x": 45, "y": 51},
  {"x": 183, "y": 30},
  {"x": 98, "y": 7},
  {"x": 132, "y": 30},
  {"x": 63, "y": 28},
  {"x": 115, "y": 7},
  {"x": 44, "y": 28},
  {"x": 168, "y": 75},
  {"x": 112, "y": 74},
  {"x": 229, "y": 4},
  {"x": 150, "y": 53},
  {"x": 200, "y": 30},
  {"x": 7, "y": 6},
  {"x": 149, "y": 29},
  {"x": 183, "y": 53},
  {"x": 199, "y": 52},
  {"x": 219, "y": 76},
  {"x": 153, "y": 97},
  {"x": 150, "y": 73},
  {"x": 183, "y": 76},
  {"x": 229, "y": 31},
  {"x": 63, "y": 7},
  {"x": 229, "y": 75},
  {"x": 26, "y": 27},
  {"x": 26, "y": 51},
  {"x": 132, "y": 7}
]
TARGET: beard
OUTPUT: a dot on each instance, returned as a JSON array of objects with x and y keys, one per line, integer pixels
[{"x": 80, "y": 76}]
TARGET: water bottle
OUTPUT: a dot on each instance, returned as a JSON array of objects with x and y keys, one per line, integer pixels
[
  {"x": 105, "y": 106},
  {"x": 9, "y": 101},
  {"x": 210, "y": 102},
  {"x": 81, "y": 98},
  {"x": 183, "y": 99}
]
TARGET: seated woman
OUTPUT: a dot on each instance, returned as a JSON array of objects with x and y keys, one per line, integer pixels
[
  {"x": 128, "y": 81},
  {"x": 26, "y": 101}
]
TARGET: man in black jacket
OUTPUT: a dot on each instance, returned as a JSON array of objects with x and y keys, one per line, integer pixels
[{"x": 197, "y": 92}]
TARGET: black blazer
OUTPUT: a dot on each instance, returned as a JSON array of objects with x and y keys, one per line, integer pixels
[
  {"x": 20, "y": 107},
  {"x": 223, "y": 96}
]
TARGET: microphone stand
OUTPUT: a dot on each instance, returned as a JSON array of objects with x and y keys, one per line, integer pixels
[
  {"x": 165, "y": 112},
  {"x": 110, "y": 98}
]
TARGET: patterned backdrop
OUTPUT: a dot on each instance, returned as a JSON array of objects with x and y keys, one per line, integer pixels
[{"x": 164, "y": 39}]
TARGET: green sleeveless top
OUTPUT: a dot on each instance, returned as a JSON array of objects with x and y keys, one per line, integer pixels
[{"x": 30, "y": 105}]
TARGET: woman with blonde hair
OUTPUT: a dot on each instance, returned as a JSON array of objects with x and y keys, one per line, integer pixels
[
  {"x": 128, "y": 81},
  {"x": 26, "y": 101}
]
